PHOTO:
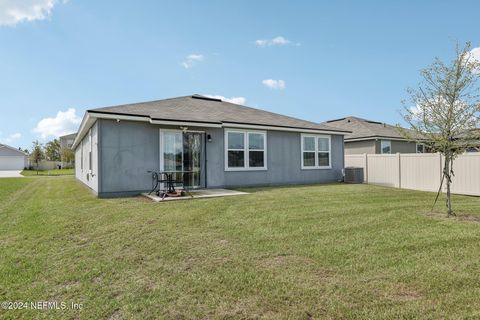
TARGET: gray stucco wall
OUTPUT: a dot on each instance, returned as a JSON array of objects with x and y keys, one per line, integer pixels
[
  {"x": 283, "y": 163},
  {"x": 397, "y": 146},
  {"x": 87, "y": 172},
  {"x": 404, "y": 147},
  {"x": 127, "y": 150},
  {"x": 360, "y": 147},
  {"x": 373, "y": 147}
]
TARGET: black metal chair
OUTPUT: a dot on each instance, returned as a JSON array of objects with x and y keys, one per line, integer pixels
[
  {"x": 168, "y": 182},
  {"x": 158, "y": 178}
]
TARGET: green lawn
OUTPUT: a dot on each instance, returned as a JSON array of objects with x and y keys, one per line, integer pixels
[
  {"x": 322, "y": 252},
  {"x": 54, "y": 172}
]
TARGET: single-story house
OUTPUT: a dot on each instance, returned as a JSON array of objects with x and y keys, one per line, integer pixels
[
  {"x": 220, "y": 144},
  {"x": 373, "y": 137},
  {"x": 12, "y": 158}
]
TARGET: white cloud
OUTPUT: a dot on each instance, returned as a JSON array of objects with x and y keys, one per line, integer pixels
[
  {"x": 16, "y": 11},
  {"x": 236, "y": 100},
  {"x": 475, "y": 52},
  {"x": 65, "y": 122},
  {"x": 11, "y": 138},
  {"x": 192, "y": 59},
  {"x": 274, "y": 84},
  {"x": 475, "y": 55},
  {"x": 16, "y": 136},
  {"x": 277, "y": 41}
]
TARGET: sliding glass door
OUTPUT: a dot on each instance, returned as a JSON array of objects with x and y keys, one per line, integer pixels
[
  {"x": 181, "y": 153},
  {"x": 172, "y": 151},
  {"x": 192, "y": 148}
]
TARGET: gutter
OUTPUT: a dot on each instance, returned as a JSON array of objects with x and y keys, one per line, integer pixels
[
  {"x": 380, "y": 138},
  {"x": 91, "y": 116}
]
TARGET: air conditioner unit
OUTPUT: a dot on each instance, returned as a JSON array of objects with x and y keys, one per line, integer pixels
[{"x": 353, "y": 175}]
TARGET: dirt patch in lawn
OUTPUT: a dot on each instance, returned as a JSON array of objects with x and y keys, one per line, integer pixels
[
  {"x": 116, "y": 315},
  {"x": 284, "y": 261},
  {"x": 221, "y": 242},
  {"x": 295, "y": 263},
  {"x": 402, "y": 292}
]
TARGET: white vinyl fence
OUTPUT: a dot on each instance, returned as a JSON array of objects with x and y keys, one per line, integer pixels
[
  {"x": 49, "y": 165},
  {"x": 418, "y": 171}
]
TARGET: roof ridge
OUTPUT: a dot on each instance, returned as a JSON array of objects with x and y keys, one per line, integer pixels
[
  {"x": 270, "y": 112},
  {"x": 141, "y": 102}
]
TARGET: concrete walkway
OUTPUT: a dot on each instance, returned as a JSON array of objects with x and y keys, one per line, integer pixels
[
  {"x": 197, "y": 194},
  {"x": 10, "y": 174}
]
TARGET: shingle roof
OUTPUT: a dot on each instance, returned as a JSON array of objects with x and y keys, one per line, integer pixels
[
  {"x": 4, "y": 147},
  {"x": 208, "y": 110},
  {"x": 68, "y": 136},
  {"x": 363, "y": 128}
]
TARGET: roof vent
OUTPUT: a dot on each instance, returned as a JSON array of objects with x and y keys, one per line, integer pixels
[{"x": 197, "y": 96}]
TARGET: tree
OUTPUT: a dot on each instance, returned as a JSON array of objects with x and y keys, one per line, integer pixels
[
  {"x": 67, "y": 155},
  {"x": 52, "y": 150},
  {"x": 446, "y": 110},
  {"x": 37, "y": 153}
]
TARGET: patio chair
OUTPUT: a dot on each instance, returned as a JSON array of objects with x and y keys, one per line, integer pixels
[{"x": 159, "y": 179}]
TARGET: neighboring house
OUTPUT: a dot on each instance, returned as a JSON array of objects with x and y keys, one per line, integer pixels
[
  {"x": 221, "y": 144},
  {"x": 66, "y": 152},
  {"x": 66, "y": 141},
  {"x": 12, "y": 158},
  {"x": 473, "y": 135},
  {"x": 373, "y": 137}
]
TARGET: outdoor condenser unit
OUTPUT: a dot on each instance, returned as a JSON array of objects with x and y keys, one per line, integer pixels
[{"x": 353, "y": 175}]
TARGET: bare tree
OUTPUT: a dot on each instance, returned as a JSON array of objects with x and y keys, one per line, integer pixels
[{"x": 444, "y": 110}]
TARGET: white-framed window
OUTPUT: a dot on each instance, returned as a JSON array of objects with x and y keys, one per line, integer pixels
[
  {"x": 385, "y": 146},
  {"x": 316, "y": 151},
  {"x": 420, "y": 147},
  {"x": 245, "y": 150}
]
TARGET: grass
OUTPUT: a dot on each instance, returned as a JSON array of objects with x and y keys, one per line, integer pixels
[
  {"x": 327, "y": 251},
  {"x": 54, "y": 172}
]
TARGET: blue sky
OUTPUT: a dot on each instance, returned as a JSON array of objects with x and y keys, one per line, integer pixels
[{"x": 317, "y": 60}]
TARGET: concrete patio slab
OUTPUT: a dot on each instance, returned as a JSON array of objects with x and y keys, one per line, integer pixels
[
  {"x": 198, "y": 194},
  {"x": 10, "y": 174}
]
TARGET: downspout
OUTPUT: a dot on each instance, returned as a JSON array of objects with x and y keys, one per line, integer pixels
[{"x": 205, "y": 156}]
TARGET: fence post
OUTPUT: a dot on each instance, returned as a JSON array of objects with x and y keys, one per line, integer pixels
[
  {"x": 366, "y": 168},
  {"x": 399, "y": 170},
  {"x": 440, "y": 158}
]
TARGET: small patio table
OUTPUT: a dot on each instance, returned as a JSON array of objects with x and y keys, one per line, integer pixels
[{"x": 167, "y": 178}]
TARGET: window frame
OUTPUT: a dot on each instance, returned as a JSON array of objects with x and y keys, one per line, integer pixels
[
  {"x": 389, "y": 144},
  {"x": 316, "y": 151},
  {"x": 246, "y": 150},
  {"x": 416, "y": 147}
]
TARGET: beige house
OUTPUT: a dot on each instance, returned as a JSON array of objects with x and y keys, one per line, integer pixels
[
  {"x": 373, "y": 137},
  {"x": 66, "y": 141}
]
